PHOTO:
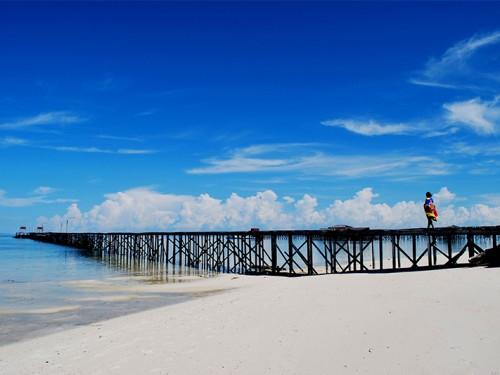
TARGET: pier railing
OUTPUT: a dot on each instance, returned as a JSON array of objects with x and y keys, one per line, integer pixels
[{"x": 291, "y": 252}]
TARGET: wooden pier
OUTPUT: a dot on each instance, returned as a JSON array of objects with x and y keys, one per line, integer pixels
[{"x": 291, "y": 252}]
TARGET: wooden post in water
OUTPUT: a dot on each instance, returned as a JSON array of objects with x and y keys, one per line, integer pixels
[
  {"x": 259, "y": 251},
  {"x": 450, "y": 250}
]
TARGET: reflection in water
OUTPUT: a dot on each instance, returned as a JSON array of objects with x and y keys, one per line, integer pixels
[
  {"x": 152, "y": 272},
  {"x": 46, "y": 288}
]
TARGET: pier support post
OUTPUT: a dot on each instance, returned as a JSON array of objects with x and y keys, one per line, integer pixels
[
  {"x": 310, "y": 268},
  {"x": 274, "y": 255}
]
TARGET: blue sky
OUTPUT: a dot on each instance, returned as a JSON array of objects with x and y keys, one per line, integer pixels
[{"x": 324, "y": 99}]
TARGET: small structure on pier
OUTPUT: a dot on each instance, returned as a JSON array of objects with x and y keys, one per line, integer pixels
[{"x": 21, "y": 232}]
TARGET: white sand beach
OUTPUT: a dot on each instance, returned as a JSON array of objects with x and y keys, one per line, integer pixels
[{"x": 433, "y": 322}]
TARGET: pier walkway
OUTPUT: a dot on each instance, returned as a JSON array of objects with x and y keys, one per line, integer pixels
[{"x": 291, "y": 252}]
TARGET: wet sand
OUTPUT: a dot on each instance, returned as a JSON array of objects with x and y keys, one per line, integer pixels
[
  {"x": 427, "y": 322},
  {"x": 84, "y": 302}
]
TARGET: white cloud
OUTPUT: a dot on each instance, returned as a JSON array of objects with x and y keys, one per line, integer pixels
[
  {"x": 370, "y": 127},
  {"x": 119, "y": 138},
  {"x": 478, "y": 115},
  {"x": 453, "y": 69},
  {"x": 143, "y": 209},
  {"x": 483, "y": 117},
  {"x": 439, "y": 132},
  {"x": 17, "y": 202},
  {"x": 13, "y": 141},
  {"x": 457, "y": 68},
  {"x": 306, "y": 160},
  {"x": 132, "y": 151},
  {"x": 431, "y": 84},
  {"x": 146, "y": 113},
  {"x": 37, "y": 197},
  {"x": 260, "y": 149},
  {"x": 47, "y": 118},
  {"x": 466, "y": 149},
  {"x": 98, "y": 150},
  {"x": 238, "y": 165},
  {"x": 492, "y": 198},
  {"x": 90, "y": 150},
  {"x": 44, "y": 190},
  {"x": 444, "y": 195}
]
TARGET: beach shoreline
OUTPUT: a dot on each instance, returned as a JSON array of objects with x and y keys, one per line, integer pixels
[
  {"x": 441, "y": 321},
  {"x": 90, "y": 301}
]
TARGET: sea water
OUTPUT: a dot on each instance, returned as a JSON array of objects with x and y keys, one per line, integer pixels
[{"x": 46, "y": 288}]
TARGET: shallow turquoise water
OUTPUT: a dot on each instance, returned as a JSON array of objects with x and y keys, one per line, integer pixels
[{"x": 45, "y": 288}]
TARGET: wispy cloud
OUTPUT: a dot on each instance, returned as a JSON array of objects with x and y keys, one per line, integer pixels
[
  {"x": 453, "y": 69},
  {"x": 146, "y": 113},
  {"x": 47, "y": 118},
  {"x": 119, "y": 138},
  {"x": 311, "y": 161},
  {"x": 97, "y": 150},
  {"x": 245, "y": 160},
  {"x": 168, "y": 93},
  {"x": 18, "y": 202},
  {"x": 240, "y": 165},
  {"x": 90, "y": 150},
  {"x": 13, "y": 141},
  {"x": 106, "y": 84},
  {"x": 482, "y": 116},
  {"x": 478, "y": 115},
  {"x": 44, "y": 190},
  {"x": 39, "y": 196},
  {"x": 467, "y": 149},
  {"x": 431, "y": 133},
  {"x": 431, "y": 84},
  {"x": 131, "y": 151},
  {"x": 370, "y": 127}
]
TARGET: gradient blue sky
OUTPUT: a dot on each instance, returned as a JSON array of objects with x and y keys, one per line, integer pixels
[{"x": 191, "y": 98}]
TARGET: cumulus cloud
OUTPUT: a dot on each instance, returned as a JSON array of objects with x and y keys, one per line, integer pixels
[
  {"x": 444, "y": 195},
  {"x": 144, "y": 209}
]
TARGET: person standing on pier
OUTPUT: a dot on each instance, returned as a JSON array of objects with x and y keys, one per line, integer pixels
[{"x": 430, "y": 210}]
